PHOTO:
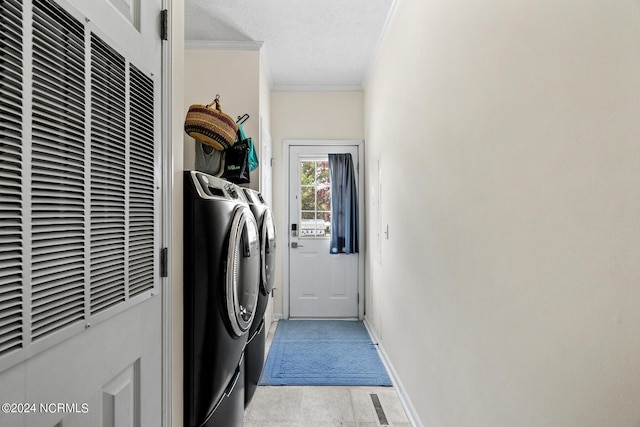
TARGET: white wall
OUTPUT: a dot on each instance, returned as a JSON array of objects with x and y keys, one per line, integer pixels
[
  {"x": 235, "y": 76},
  {"x": 306, "y": 115},
  {"x": 265, "y": 119},
  {"x": 507, "y": 293},
  {"x": 265, "y": 90}
]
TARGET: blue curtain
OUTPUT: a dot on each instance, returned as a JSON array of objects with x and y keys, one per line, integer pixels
[{"x": 344, "y": 205}]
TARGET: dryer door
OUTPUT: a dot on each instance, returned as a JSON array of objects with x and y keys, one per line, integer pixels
[
  {"x": 268, "y": 251},
  {"x": 243, "y": 270}
]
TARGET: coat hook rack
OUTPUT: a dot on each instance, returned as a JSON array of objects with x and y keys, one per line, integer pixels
[{"x": 242, "y": 119}]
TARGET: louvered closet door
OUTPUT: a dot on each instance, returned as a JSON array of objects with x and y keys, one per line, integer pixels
[
  {"x": 142, "y": 207},
  {"x": 11, "y": 212},
  {"x": 108, "y": 177},
  {"x": 80, "y": 146},
  {"x": 57, "y": 172}
]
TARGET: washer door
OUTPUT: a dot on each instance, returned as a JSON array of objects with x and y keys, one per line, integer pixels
[
  {"x": 268, "y": 251},
  {"x": 243, "y": 270}
]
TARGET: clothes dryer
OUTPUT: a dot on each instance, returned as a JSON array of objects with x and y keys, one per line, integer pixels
[
  {"x": 254, "y": 351},
  {"x": 221, "y": 287}
]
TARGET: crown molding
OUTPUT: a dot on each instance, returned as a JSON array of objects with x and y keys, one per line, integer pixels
[
  {"x": 222, "y": 45},
  {"x": 317, "y": 88},
  {"x": 383, "y": 34}
]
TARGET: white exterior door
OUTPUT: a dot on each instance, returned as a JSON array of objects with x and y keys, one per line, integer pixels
[
  {"x": 81, "y": 289},
  {"x": 321, "y": 284}
]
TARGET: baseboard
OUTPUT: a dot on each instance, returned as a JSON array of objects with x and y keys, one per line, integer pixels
[{"x": 397, "y": 384}]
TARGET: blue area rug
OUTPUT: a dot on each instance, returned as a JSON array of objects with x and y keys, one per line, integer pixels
[{"x": 323, "y": 352}]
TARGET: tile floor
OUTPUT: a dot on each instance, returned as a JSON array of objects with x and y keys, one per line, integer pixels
[{"x": 304, "y": 406}]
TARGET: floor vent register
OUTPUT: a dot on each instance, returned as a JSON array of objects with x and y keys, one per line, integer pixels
[{"x": 379, "y": 411}]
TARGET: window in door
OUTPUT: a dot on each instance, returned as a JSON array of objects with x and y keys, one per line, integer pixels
[{"x": 315, "y": 198}]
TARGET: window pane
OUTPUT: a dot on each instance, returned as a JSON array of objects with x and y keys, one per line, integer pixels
[
  {"x": 323, "y": 198},
  {"x": 326, "y": 218},
  {"x": 307, "y": 172},
  {"x": 310, "y": 226},
  {"x": 308, "y": 198},
  {"x": 308, "y": 215},
  {"x": 322, "y": 172},
  {"x": 315, "y": 198}
]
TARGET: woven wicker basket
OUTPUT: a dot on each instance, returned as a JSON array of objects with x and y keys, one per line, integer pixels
[{"x": 211, "y": 126}]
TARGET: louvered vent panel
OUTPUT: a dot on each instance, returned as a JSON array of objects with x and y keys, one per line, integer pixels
[
  {"x": 57, "y": 180},
  {"x": 108, "y": 159},
  {"x": 141, "y": 185},
  {"x": 10, "y": 176}
]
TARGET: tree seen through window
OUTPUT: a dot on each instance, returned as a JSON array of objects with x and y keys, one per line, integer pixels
[{"x": 315, "y": 198}]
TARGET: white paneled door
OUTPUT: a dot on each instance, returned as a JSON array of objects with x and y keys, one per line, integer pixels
[
  {"x": 321, "y": 284},
  {"x": 80, "y": 155}
]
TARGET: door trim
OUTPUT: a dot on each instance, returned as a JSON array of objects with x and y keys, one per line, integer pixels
[
  {"x": 284, "y": 235},
  {"x": 167, "y": 196}
]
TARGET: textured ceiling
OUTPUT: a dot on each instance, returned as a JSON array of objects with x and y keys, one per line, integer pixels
[{"x": 308, "y": 44}]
